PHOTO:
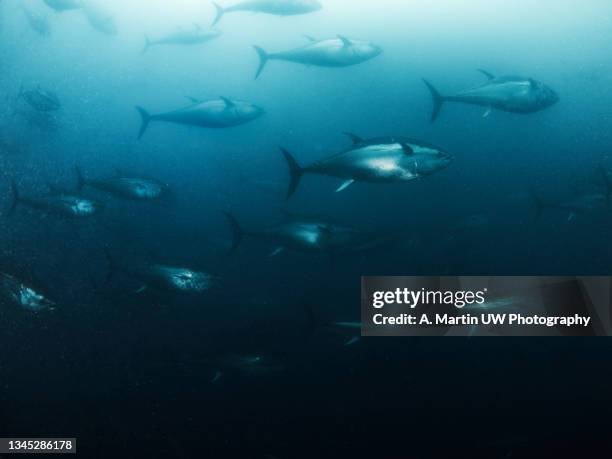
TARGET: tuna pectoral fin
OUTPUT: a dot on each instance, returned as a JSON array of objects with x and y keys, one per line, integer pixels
[
  {"x": 487, "y": 113},
  {"x": 263, "y": 60},
  {"x": 220, "y": 12},
  {"x": 277, "y": 251},
  {"x": 146, "y": 119},
  {"x": 14, "y": 199},
  {"x": 141, "y": 289},
  {"x": 438, "y": 100},
  {"x": 237, "y": 232},
  {"x": 295, "y": 172},
  {"x": 345, "y": 185}
]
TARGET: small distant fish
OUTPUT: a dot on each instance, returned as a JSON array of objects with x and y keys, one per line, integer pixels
[
  {"x": 40, "y": 99},
  {"x": 216, "y": 113},
  {"x": 580, "y": 204},
  {"x": 131, "y": 188},
  {"x": 513, "y": 94},
  {"x": 164, "y": 277},
  {"x": 37, "y": 22},
  {"x": 308, "y": 235},
  {"x": 99, "y": 18},
  {"x": 20, "y": 293},
  {"x": 58, "y": 202},
  {"x": 274, "y": 7},
  {"x": 248, "y": 364},
  {"x": 352, "y": 329},
  {"x": 63, "y": 5},
  {"x": 336, "y": 52},
  {"x": 183, "y": 37},
  {"x": 380, "y": 160}
]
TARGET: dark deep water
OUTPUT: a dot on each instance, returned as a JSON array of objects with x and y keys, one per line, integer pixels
[{"x": 133, "y": 374}]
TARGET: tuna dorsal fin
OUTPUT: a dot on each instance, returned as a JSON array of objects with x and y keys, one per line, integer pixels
[
  {"x": 310, "y": 38},
  {"x": 489, "y": 75},
  {"x": 355, "y": 138},
  {"x": 228, "y": 103},
  {"x": 533, "y": 83},
  {"x": 345, "y": 41},
  {"x": 194, "y": 99},
  {"x": 407, "y": 149}
]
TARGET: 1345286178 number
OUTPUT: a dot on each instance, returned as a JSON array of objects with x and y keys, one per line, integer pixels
[{"x": 38, "y": 445}]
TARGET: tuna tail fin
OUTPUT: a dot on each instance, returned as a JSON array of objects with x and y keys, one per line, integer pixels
[
  {"x": 237, "y": 232},
  {"x": 438, "y": 100},
  {"x": 220, "y": 12},
  {"x": 147, "y": 44},
  {"x": 295, "y": 171},
  {"x": 263, "y": 60},
  {"x": 81, "y": 182},
  {"x": 146, "y": 119},
  {"x": 539, "y": 205},
  {"x": 607, "y": 182},
  {"x": 14, "y": 199}
]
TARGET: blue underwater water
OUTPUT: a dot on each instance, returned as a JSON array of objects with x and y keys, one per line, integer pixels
[{"x": 241, "y": 370}]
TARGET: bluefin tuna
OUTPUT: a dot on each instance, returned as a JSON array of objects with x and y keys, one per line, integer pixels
[
  {"x": 335, "y": 52},
  {"x": 183, "y": 37},
  {"x": 24, "y": 294},
  {"x": 274, "y": 7},
  {"x": 40, "y": 99},
  {"x": 581, "y": 204},
  {"x": 379, "y": 160},
  {"x": 124, "y": 187},
  {"x": 216, "y": 113},
  {"x": 63, "y": 5},
  {"x": 307, "y": 234},
  {"x": 57, "y": 202},
  {"x": 513, "y": 94},
  {"x": 163, "y": 276}
]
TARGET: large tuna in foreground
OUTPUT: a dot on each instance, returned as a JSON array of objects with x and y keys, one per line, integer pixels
[{"x": 381, "y": 160}]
